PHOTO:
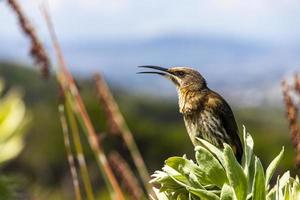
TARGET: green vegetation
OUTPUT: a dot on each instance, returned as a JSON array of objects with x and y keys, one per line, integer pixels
[
  {"x": 160, "y": 133},
  {"x": 13, "y": 122},
  {"x": 217, "y": 175}
]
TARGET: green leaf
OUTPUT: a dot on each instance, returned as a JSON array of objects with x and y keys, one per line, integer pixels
[
  {"x": 235, "y": 174},
  {"x": 12, "y": 113},
  {"x": 248, "y": 150},
  {"x": 259, "y": 190},
  {"x": 278, "y": 193},
  {"x": 284, "y": 179},
  {"x": 213, "y": 149},
  {"x": 203, "y": 194},
  {"x": 272, "y": 167},
  {"x": 159, "y": 195},
  {"x": 287, "y": 192},
  {"x": 182, "y": 196},
  {"x": 211, "y": 167},
  {"x": 295, "y": 189},
  {"x": 280, "y": 184},
  {"x": 227, "y": 193},
  {"x": 195, "y": 176},
  {"x": 11, "y": 148}
]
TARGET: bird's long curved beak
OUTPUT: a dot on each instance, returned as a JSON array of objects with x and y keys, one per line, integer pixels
[{"x": 161, "y": 71}]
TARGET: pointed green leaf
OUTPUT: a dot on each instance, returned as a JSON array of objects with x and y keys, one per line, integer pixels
[
  {"x": 279, "y": 194},
  {"x": 235, "y": 174},
  {"x": 211, "y": 167},
  {"x": 227, "y": 193},
  {"x": 296, "y": 190},
  {"x": 213, "y": 149},
  {"x": 189, "y": 169},
  {"x": 280, "y": 184},
  {"x": 259, "y": 190},
  {"x": 273, "y": 165},
  {"x": 203, "y": 194},
  {"x": 287, "y": 194},
  {"x": 248, "y": 150}
]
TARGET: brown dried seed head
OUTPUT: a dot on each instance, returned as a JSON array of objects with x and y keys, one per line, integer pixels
[
  {"x": 37, "y": 50},
  {"x": 124, "y": 172},
  {"x": 292, "y": 113}
]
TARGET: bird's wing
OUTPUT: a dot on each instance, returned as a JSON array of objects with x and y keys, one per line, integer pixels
[{"x": 221, "y": 108}]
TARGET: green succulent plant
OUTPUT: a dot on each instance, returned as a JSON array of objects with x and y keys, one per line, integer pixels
[{"x": 217, "y": 175}]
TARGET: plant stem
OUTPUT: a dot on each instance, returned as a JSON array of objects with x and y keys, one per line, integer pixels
[
  {"x": 80, "y": 155},
  {"x": 69, "y": 151}
]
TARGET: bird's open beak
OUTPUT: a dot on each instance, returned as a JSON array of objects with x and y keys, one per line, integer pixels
[{"x": 162, "y": 71}]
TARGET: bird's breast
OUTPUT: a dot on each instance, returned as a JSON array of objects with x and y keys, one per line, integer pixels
[{"x": 205, "y": 125}]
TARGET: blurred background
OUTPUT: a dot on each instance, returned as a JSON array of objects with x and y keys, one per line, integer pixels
[{"x": 244, "y": 49}]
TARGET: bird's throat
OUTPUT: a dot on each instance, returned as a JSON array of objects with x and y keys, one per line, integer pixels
[{"x": 188, "y": 100}]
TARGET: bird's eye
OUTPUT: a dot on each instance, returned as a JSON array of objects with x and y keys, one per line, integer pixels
[{"x": 181, "y": 73}]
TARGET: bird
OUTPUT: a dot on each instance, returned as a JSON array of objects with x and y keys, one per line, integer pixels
[{"x": 206, "y": 114}]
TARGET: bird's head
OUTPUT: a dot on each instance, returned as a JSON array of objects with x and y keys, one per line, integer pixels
[{"x": 183, "y": 77}]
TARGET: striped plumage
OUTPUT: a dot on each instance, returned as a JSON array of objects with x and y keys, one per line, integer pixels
[{"x": 206, "y": 114}]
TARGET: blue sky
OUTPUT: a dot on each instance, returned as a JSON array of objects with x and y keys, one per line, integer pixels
[
  {"x": 238, "y": 45},
  {"x": 264, "y": 20}
]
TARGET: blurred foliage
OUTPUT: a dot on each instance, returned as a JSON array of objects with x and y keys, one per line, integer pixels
[
  {"x": 155, "y": 122},
  {"x": 218, "y": 175},
  {"x": 13, "y": 123}
]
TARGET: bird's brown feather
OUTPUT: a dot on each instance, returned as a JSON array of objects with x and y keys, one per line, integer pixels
[{"x": 207, "y": 115}]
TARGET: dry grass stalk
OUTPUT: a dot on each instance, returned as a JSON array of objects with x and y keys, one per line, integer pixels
[
  {"x": 292, "y": 114},
  {"x": 69, "y": 151},
  {"x": 123, "y": 171},
  {"x": 297, "y": 83},
  {"x": 115, "y": 117},
  {"x": 37, "y": 50},
  {"x": 68, "y": 84}
]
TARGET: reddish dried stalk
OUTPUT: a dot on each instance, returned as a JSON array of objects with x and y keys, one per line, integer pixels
[
  {"x": 115, "y": 117},
  {"x": 292, "y": 115},
  {"x": 37, "y": 50},
  {"x": 69, "y": 151},
  {"x": 68, "y": 84},
  {"x": 123, "y": 171},
  {"x": 297, "y": 83}
]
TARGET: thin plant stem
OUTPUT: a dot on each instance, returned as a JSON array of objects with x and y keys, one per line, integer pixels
[
  {"x": 79, "y": 151},
  {"x": 67, "y": 82},
  {"x": 67, "y": 143},
  {"x": 115, "y": 116}
]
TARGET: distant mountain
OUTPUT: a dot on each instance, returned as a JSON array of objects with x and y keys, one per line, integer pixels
[{"x": 246, "y": 71}]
